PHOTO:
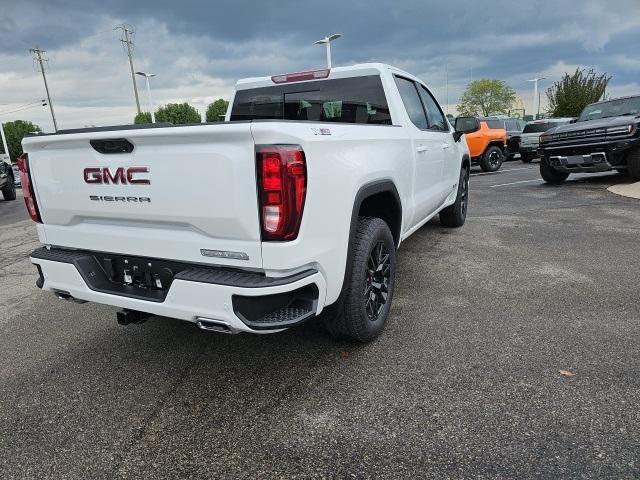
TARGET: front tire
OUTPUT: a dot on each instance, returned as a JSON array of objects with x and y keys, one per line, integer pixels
[
  {"x": 550, "y": 174},
  {"x": 362, "y": 311},
  {"x": 9, "y": 190},
  {"x": 456, "y": 214},
  {"x": 492, "y": 159},
  {"x": 526, "y": 158}
]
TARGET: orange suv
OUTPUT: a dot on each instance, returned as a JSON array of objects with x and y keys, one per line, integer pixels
[{"x": 487, "y": 146}]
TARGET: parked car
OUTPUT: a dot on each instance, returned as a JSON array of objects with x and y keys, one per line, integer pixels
[
  {"x": 296, "y": 204},
  {"x": 530, "y": 136},
  {"x": 16, "y": 176},
  {"x": 605, "y": 136},
  {"x": 7, "y": 186},
  {"x": 487, "y": 145},
  {"x": 513, "y": 127}
]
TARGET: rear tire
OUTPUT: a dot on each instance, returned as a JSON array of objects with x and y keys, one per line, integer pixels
[
  {"x": 9, "y": 191},
  {"x": 492, "y": 159},
  {"x": 362, "y": 311},
  {"x": 455, "y": 215},
  {"x": 550, "y": 174},
  {"x": 526, "y": 158},
  {"x": 633, "y": 164}
]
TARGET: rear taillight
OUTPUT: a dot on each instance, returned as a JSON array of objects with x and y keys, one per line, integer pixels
[
  {"x": 27, "y": 188},
  {"x": 282, "y": 186}
]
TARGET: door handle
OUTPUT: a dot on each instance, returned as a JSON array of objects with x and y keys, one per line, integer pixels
[
  {"x": 421, "y": 149},
  {"x": 445, "y": 146}
]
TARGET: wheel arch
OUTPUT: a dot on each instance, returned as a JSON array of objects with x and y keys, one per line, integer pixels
[
  {"x": 368, "y": 197},
  {"x": 494, "y": 143},
  {"x": 378, "y": 199}
]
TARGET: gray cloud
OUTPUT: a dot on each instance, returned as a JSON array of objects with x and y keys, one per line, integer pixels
[{"x": 200, "y": 48}]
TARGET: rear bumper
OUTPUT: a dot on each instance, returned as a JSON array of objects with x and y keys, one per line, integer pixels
[{"x": 245, "y": 301}]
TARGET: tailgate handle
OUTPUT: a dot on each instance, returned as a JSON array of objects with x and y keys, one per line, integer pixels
[{"x": 112, "y": 145}]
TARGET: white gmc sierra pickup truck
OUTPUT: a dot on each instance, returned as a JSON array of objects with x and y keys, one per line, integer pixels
[{"x": 295, "y": 204}]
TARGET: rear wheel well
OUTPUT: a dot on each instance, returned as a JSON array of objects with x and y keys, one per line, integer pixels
[
  {"x": 384, "y": 205},
  {"x": 494, "y": 143}
]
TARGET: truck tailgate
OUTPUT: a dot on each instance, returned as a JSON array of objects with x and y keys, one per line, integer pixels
[{"x": 199, "y": 205}]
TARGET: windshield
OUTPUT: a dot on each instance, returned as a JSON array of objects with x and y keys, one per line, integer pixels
[
  {"x": 541, "y": 127},
  {"x": 612, "y": 108}
]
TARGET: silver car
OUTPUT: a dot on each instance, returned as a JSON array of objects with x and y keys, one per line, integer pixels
[{"x": 530, "y": 136}]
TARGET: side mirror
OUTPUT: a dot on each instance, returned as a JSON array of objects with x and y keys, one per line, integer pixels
[{"x": 465, "y": 125}]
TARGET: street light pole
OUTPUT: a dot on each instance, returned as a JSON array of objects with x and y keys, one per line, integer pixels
[
  {"x": 536, "y": 98},
  {"x": 147, "y": 76},
  {"x": 327, "y": 42}
]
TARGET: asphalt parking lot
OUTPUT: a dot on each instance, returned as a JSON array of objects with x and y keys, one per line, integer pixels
[{"x": 464, "y": 382}]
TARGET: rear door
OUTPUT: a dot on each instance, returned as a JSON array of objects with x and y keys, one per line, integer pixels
[
  {"x": 427, "y": 151},
  {"x": 438, "y": 124},
  {"x": 181, "y": 193}
]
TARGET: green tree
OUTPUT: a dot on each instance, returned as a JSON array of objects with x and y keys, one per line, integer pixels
[
  {"x": 217, "y": 110},
  {"x": 142, "y": 117},
  {"x": 177, "y": 113},
  {"x": 15, "y": 131},
  {"x": 568, "y": 96},
  {"x": 486, "y": 97}
]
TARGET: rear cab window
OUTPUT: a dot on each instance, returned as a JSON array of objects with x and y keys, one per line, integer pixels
[{"x": 359, "y": 100}]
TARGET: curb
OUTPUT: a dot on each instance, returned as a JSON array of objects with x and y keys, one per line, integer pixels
[{"x": 631, "y": 190}]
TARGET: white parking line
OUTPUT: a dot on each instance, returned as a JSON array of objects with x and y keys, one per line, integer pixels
[
  {"x": 513, "y": 183},
  {"x": 499, "y": 171}
]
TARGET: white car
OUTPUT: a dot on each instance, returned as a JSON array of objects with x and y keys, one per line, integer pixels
[
  {"x": 530, "y": 136},
  {"x": 294, "y": 205}
]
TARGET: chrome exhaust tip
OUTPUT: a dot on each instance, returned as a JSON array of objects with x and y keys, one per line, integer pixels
[
  {"x": 212, "y": 325},
  {"x": 67, "y": 296}
]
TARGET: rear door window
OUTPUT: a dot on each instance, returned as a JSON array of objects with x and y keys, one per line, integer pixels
[
  {"x": 341, "y": 100},
  {"x": 412, "y": 102},
  {"x": 539, "y": 127},
  {"x": 435, "y": 116},
  {"x": 494, "y": 123}
]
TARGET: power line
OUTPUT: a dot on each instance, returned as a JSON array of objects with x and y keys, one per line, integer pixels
[
  {"x": 127, "y": 41},
  {"x": 26, "y": 106},
  {"x": 37, "y": 52}
]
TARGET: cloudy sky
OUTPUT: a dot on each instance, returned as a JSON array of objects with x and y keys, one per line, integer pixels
[{"x": 200, "y": 48}]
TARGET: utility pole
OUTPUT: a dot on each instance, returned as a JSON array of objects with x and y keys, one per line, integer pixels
[
  {"x": 38, "y": 58},
  {"x": 127, "y": 41}
]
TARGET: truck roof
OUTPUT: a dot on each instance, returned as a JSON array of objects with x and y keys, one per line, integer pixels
[
  {"x": 614, "y": 99},
  {"x": 360, "y": 69}
]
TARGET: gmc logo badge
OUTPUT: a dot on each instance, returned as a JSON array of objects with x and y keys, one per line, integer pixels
[{"x": 122, "y": 175}]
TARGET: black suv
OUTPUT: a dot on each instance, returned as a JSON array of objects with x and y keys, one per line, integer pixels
[
  {"x": 7, "y": 182},
  {"x": 605, "y": 136}
]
